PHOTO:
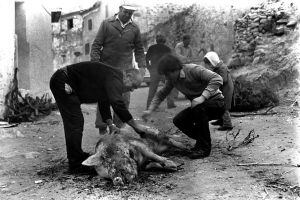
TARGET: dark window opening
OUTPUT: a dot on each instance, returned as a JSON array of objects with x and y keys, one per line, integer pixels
[
  {"x": 90, "y": 24},
  {"x": 63, "y": 58},
  {"x": 87, "y": 48},
  {"x": 70, "y": 23},
  {"x": 77, "y": 53},
  {"x": 55, "y": 16}
]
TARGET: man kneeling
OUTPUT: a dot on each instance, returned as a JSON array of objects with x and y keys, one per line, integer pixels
[
  {"x": 90, "y": 82},
  {"x": 201, "y": 87}
]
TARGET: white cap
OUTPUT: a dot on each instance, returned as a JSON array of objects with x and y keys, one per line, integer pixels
[
  {"x": 129, "y": 7},
  {"x": 213, "y": 58}
]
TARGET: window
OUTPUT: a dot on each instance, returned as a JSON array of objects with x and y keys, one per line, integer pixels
[
  {"x": 70, "y": 23},
  {"x": 87, "y": 48},
  {"x": 77, "y": 53},
  {"x": 90, "y": 24},
  {"x": 63, "y": 58},
  {"x": 55, "y": 16}
]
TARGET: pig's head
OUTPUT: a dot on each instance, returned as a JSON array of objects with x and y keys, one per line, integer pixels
[{"x": 113, "y": 159}]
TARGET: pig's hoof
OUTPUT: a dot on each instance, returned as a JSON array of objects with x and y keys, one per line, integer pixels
[
  {"x": 170, "y": 165},
  {"x": 118, "y": 181}
]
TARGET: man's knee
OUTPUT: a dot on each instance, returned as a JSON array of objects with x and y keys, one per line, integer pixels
[{"x": 180, "y": 119}]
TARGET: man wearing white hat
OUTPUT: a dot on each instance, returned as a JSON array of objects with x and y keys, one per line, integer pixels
[
  {"x": 117, "y": 39},
  {"x": 212, "y": 61}
]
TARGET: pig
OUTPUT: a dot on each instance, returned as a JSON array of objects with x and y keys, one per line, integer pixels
[{"x": 121, "y": 156}]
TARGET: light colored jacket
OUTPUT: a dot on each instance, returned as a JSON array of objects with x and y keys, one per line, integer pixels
[
  {"x": 183, "y": 53},
  {"x": 194, "y": 81}
]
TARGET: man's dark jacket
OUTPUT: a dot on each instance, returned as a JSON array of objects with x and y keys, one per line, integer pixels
[
  {"x": 93, "y": 82},
  {"x": 115, "y": 45}
]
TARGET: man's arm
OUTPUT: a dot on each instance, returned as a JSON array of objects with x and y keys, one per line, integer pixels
[
  {"x": 139, "y": 50},
  {"x": 97, "y": 45},
  {"x": 213, "y": 79},
  {"x": 104, "y": 109},
  {"x": 114, "y": 92},
  {"x": 148, "y": 57},
  {"x": 161, "y": 95}
]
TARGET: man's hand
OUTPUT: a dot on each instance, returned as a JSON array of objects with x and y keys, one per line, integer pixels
[
  {"x": 197, "y": 101},
  {"x": 113, "y": 129},
  {"x": 142, "y": 71},
  {"x": 68, "y": 89},
  {"x": 146, "y": 115},
  {"x": 140, "y": 130},
  {"x": 136, "y": 127}
]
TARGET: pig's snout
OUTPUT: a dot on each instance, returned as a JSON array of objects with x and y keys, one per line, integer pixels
[{"x": 118, "y": 181}]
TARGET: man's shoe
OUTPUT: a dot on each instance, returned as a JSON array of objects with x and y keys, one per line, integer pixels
[
  {"x": 225, "y": 128},
  {"x": 217, "y": 123},
  {"x": 199, "y": 154},
  {"x": 196, "y": 147}
]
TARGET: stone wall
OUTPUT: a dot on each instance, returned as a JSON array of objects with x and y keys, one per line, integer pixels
[
  {"x": 210, "y": 29},
  {"x": 265, "y": 63},
  {"x": 254, "y": 30}
]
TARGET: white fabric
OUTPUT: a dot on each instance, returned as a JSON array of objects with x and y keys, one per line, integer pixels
[
  {"x": 213, "y": 58},
  {"x": 129, "y": 7}
]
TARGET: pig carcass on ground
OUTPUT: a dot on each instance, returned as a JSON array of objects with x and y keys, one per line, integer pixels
[{"x": 119, "y": 157}]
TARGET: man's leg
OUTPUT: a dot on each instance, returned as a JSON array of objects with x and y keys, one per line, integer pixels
[
  {"x": 69, "y": 107},
  {"x": 184, "y": 122},
  {"x": 154, "y": 81},
  {"x": 116, "y": 120},
  {"x": 201, "y": 119},
  {"x": 202, "y": 114},
  {"x": 102, "y": 126},
  {"x": 227, "y": 125}
]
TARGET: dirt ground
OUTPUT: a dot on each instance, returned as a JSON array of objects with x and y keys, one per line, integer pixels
[{"x": 33, "y": 161}]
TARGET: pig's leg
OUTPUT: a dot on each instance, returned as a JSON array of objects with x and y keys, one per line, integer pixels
[
  {"x": 149, "y": 155},
  {"x": 163, "y": 161},
  {"x": 176, "y": 144}
]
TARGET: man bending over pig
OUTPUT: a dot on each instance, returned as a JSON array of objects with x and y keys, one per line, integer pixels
[
  {"x": 90, "y": 82},
  {"x": 201, "y": 87}
]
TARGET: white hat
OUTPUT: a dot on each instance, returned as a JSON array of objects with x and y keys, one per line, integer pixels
[
  {"x": 129, "y": 7},
  {"x": 213, "y": 58}
]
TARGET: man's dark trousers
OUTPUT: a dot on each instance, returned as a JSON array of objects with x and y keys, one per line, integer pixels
[
  {"x": 69, "y": 107},
  {"x": 194, "y": 122}
]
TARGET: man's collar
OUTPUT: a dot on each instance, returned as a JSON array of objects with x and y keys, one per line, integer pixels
[{"x": 123, "y": 25}]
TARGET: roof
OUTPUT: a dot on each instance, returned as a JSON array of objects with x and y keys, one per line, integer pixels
[{"x": 82, "y": 12}]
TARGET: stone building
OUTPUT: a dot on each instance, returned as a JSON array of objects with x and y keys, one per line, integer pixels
[
  {"x": 26, "y": 45},
  {"x": 7, "y": 51},
  {"x": 33, "y": 31},
  {"x": 75, "y": 32}
]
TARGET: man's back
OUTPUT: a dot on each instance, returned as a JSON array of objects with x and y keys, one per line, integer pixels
[
  {"x": 89, "y": 79},
  {"x": 155, "y": 52}
]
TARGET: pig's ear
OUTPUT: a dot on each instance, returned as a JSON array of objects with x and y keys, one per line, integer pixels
[{"x": 93, "y": 160}]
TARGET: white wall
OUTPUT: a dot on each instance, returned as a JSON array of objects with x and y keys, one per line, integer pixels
[{"x": 7, "y": 20}]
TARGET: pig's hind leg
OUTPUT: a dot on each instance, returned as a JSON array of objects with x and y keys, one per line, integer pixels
[{"x": 150, "y": 155}]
